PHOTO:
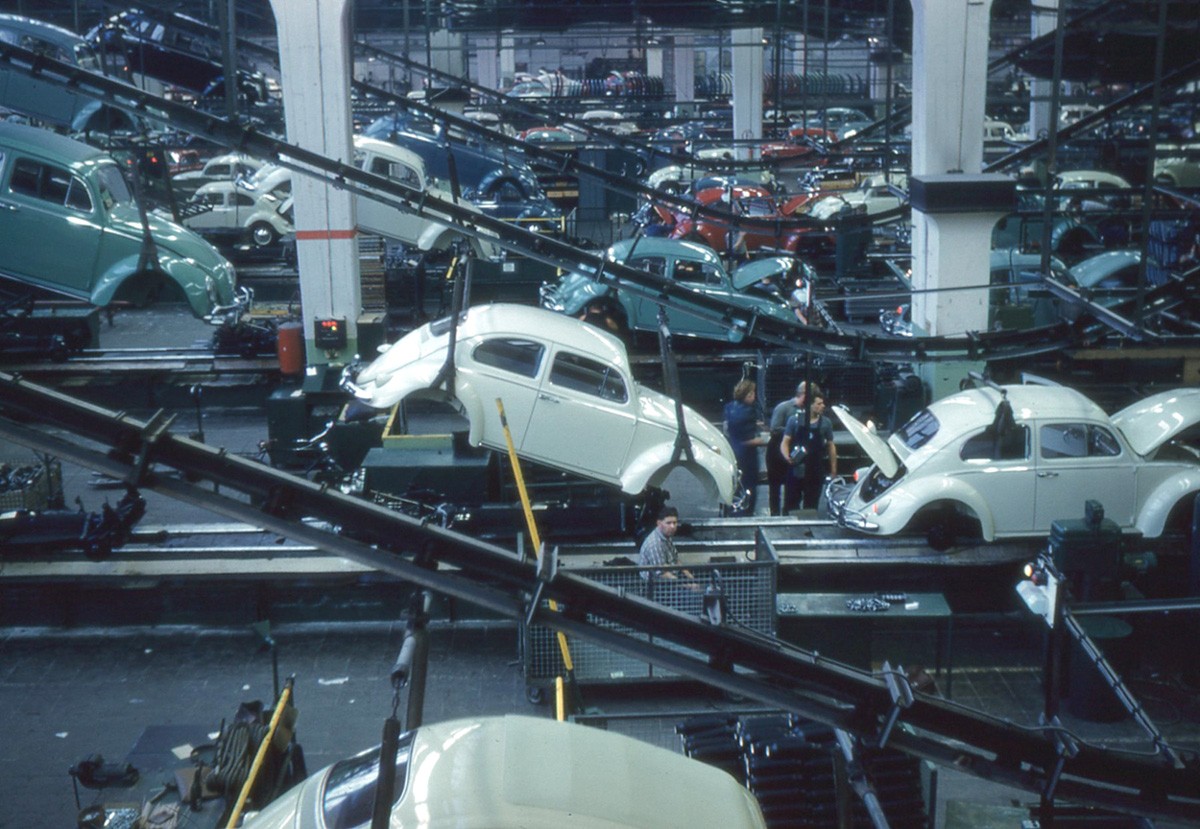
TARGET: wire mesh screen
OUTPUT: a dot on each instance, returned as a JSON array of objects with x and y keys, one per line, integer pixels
[{"x": 746, "y": 589}]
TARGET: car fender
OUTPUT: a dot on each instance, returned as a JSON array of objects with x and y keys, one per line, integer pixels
[
  {"x": 191, "y": 281},
  {"x": 389, "y": 387},
  {"x": 907, "y": 499},
  {"x": 1156, "y": 509},
  {"x": 471, "y": 406},
  {"x": 715, "y": 471},
  {"x": 578, "y": 299},
  {"x": 437, "y": 236}
]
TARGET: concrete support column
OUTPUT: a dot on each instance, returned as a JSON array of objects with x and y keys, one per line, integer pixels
[
  {"x": 508, "y": 58},
  {"x": 950, "y": 39},
  {"x": 1043, "y": 18},
  {"x": 448, "y": 53},
  {"x": 950, "y": 249},
  {"x": 654, "y": 61},
  {"x": 487, "y": 61},
  {"x": 683, "y": 56},
  {"x": 747, "y": 88},
  {"x": 314, "y": 69}
]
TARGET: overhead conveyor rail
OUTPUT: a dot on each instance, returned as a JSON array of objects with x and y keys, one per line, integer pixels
[
  {"x": 750, "y": 324},
  {"x": 759, "y": 667}
]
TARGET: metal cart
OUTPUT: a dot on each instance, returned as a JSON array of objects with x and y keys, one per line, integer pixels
[{"x": 747, "y": 580}]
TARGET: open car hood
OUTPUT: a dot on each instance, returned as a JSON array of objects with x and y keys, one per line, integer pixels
[
  {"x": 759, "y": 269},
  {"x": 875, "y": 446},
  {"x": 1150, "y": 423}
]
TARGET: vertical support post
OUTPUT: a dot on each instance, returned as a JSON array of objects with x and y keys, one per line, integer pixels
[{"x": 747, "y": 88}]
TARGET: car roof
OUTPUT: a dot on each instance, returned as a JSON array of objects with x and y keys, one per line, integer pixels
[
  {"x": 501, "y": 318},
  {"x": 658, "y": 246},
  {"x": 972, "y": 408},
  {"x": 387, "y": 148},
  {"x": 63, "y": 38},
  {"x": 40, "y": 142},
  {"x": 533, "y": 771}
]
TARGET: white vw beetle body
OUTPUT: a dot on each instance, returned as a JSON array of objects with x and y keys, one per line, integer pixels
[
  {"x": 519, "y": 773},
  {"x": 568, "y": 393},
  {"x": 958, "y": 463}
]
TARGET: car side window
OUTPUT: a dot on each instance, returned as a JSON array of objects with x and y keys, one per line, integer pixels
[
  {"x": 78, "y": 197},
  {"x": 987, "y": 446},
  {"x": 1078, "y": 440},
  {"x": 582, "y": 374},
  {"x": 48, "y": 183},
  {"x": 656, "y": 265},
  {"x": 1102, "y": 443},
  {"x": 519, "y": 356},
  {"x": 243, "y": 200},
  {"x": 26, "y": 175},
  {"x": 690, "y": 272}
]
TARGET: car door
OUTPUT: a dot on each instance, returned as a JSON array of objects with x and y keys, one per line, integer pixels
[
  {"x": 584, "y": 418},
  {"x": 644, "y": 312},
  {"x": 384, "y": 219},
  {"x": 1079, "y": 461},
  {"x": 219, "y": 212},
  {"x": 243, "y": 208},
  {"x": 1000, "y": 468},
  {"x": 52, "y": 210},
  {"x": 701, "y": 279},
  {"x": 507, "y": 368}
]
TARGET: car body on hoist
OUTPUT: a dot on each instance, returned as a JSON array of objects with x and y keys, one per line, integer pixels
[
  {"x": 83, "y": 235},
  {"x": 568, "y": 391},
  {"x": 1007, "y": 461}
]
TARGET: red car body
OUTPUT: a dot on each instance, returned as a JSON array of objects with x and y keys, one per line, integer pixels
[{"x": 741, "y": 200}]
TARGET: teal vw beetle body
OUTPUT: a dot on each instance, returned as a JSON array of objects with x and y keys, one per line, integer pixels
[
  {"x": 776, "y": 286},
  {"x": 71, "y": 226}
]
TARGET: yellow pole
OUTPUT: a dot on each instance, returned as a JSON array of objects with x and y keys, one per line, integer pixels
[
  {"x": 236, "y": 815},
  {"x": 534, "y": 537},
  {"x": 450, "y": 270}
]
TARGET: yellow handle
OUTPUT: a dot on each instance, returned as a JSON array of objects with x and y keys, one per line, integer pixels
[
  {"x": 236, "y": 815},
  {"x": 533, "y": 531}
]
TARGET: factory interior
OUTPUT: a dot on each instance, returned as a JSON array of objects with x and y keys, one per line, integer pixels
[{"x": 731, "y": 413}]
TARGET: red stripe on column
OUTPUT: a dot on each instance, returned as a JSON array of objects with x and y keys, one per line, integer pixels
[{"x": 310, "y": 235}]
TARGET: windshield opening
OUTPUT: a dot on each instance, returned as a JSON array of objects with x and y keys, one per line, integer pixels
[
  {"x": 349, "y": 797},
  {"x": 113, "y": 188},
  {"x": 919, "y": 430}
]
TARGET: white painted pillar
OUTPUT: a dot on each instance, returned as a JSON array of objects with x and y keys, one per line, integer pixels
[
  {"x": 950, "y": 39},
  {"x": 747, "y": 87},
  {"x": 1043, "y": 17},
  {"x": 508, "y": 58},
  {"x": 654, "y": 61},
  {"x": 487, "y": 61},
  {"x": 684, "y": 58},
  {"x": 314, "y": 64},
  {"x": 951, "y": 245},
  {"x": 447, "y": 52}
]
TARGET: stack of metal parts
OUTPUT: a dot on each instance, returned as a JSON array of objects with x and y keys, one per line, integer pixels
[
  {"x": 797, "y": 771},
  {"x": 372, "y": 252}
]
